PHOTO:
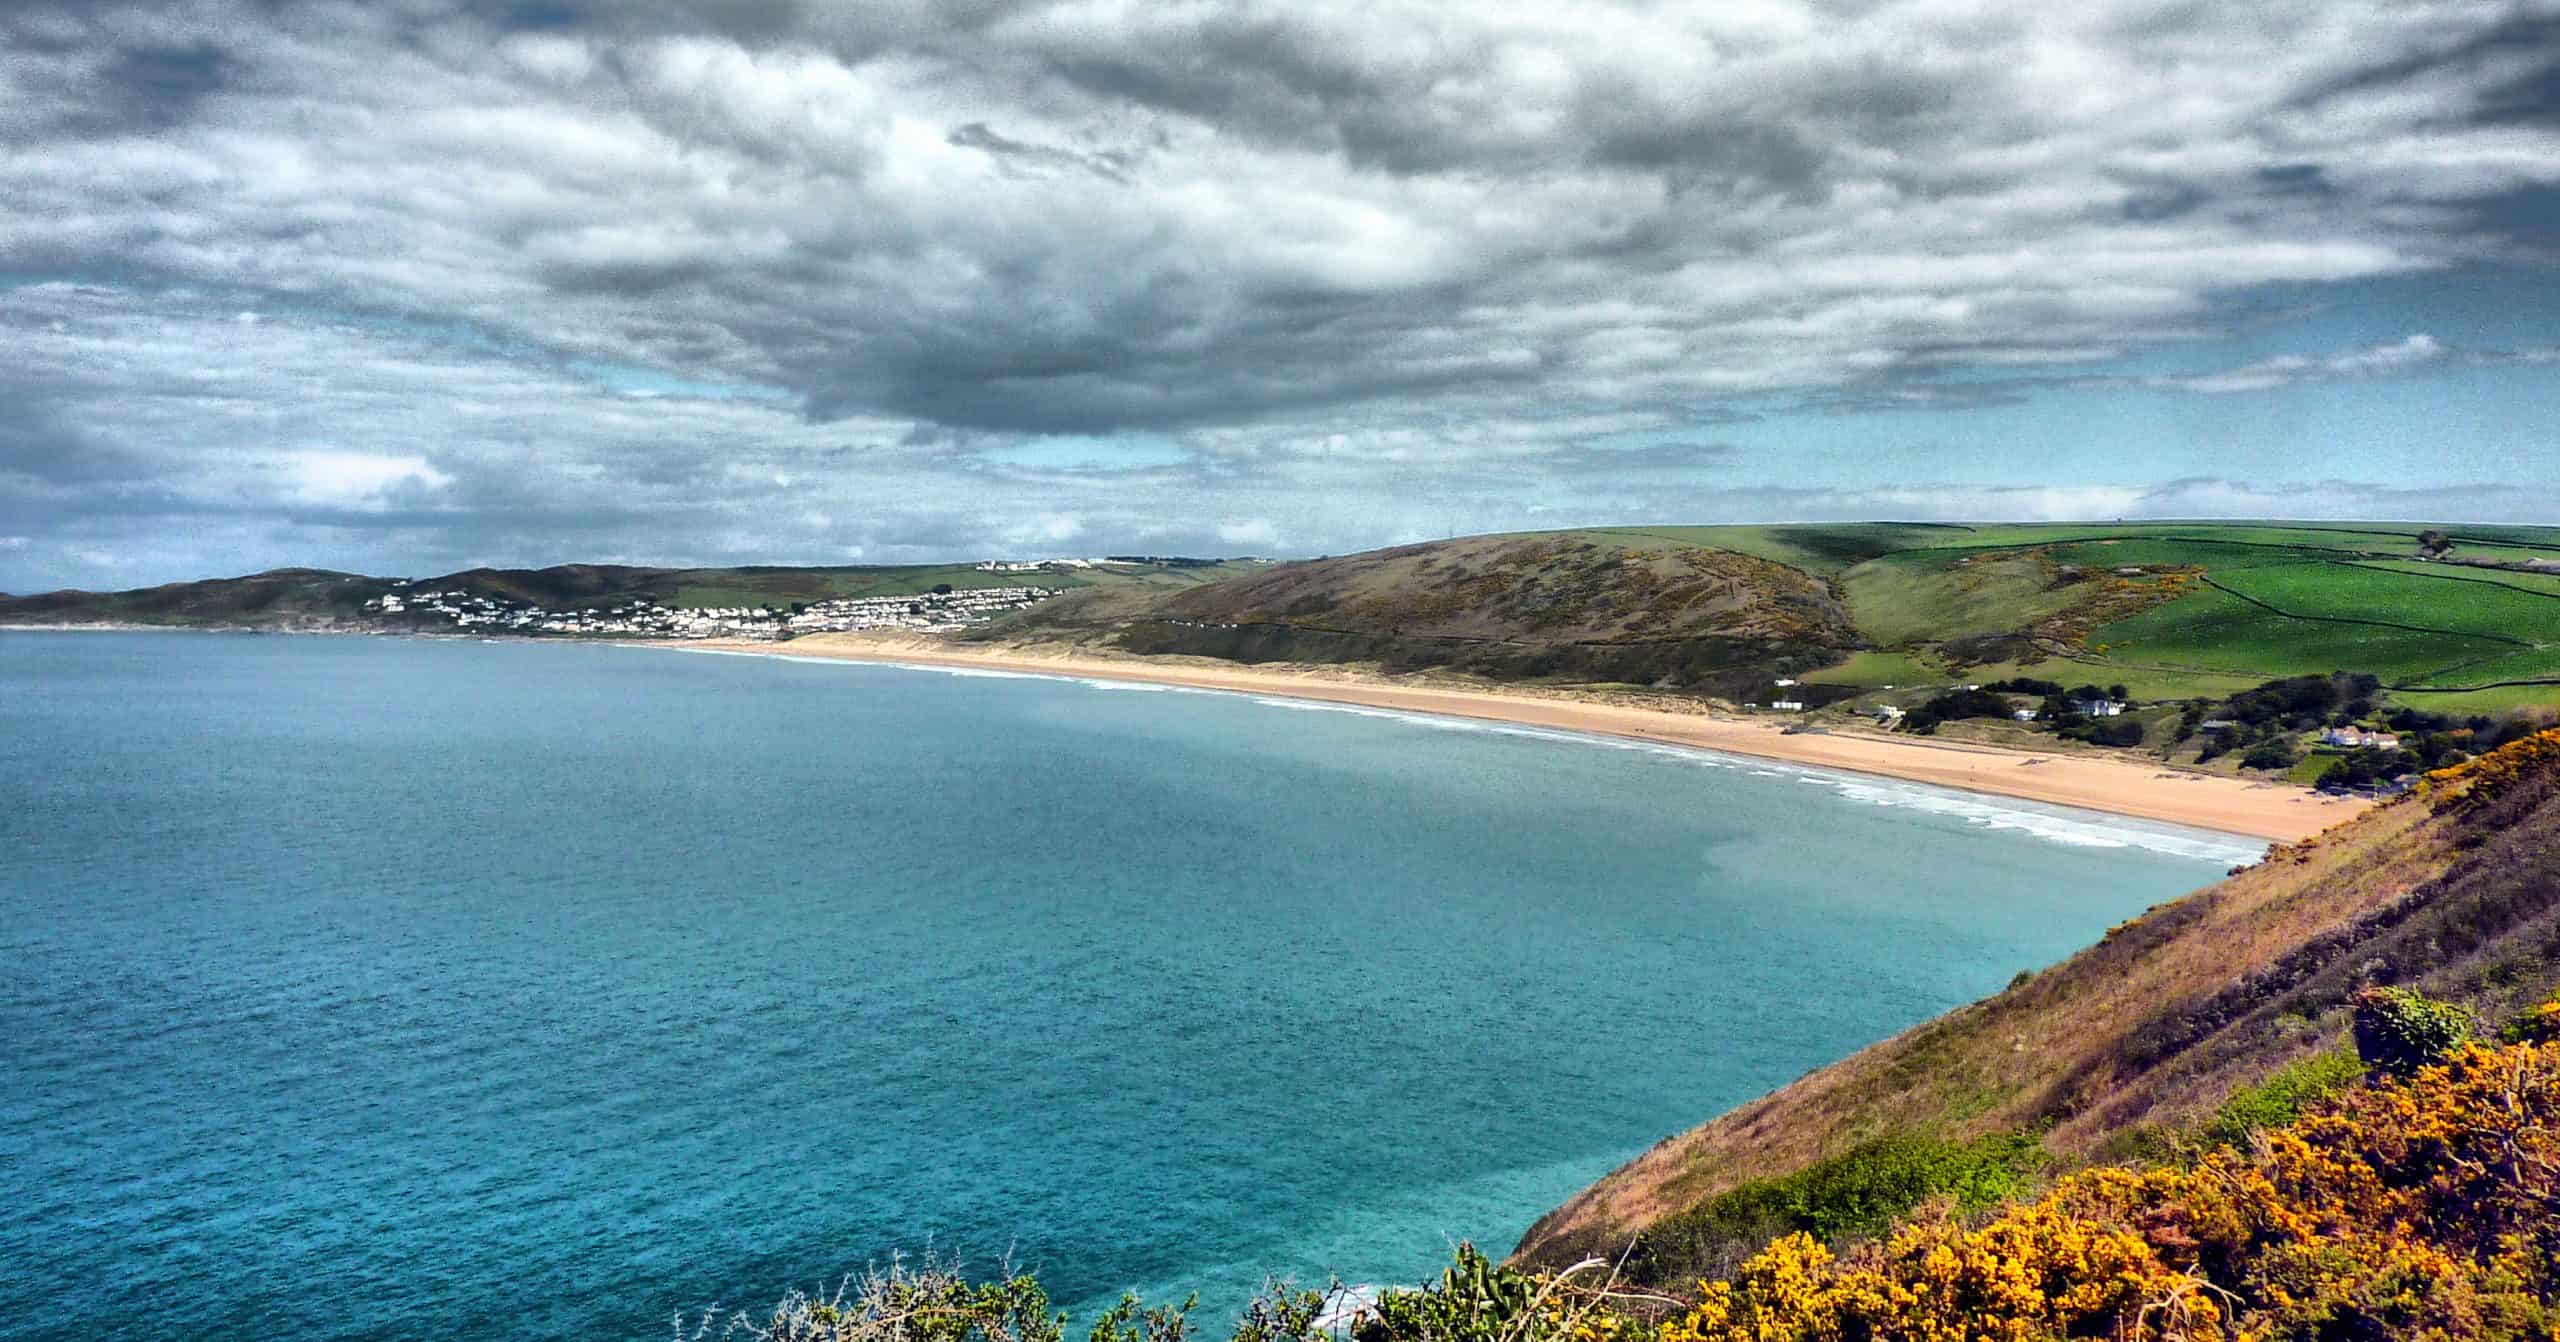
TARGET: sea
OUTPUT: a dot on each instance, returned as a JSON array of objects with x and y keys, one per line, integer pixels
[{"x": 385, "y": 988}]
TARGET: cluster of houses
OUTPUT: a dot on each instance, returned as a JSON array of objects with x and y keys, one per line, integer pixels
[
  {"x": 923, "y": 612},
  {"x": 929, "y": 612},
  {"x": 1035, "y": 565},
  {"x": 2360, "y": 738}
]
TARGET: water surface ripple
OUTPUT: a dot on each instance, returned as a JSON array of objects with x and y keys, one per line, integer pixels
[{"x": 358, "y": 988}]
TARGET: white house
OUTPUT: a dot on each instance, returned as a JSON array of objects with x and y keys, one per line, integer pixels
[
  {"x": 1788, "y": 705},
  {"x": 2097, "y": 708}
]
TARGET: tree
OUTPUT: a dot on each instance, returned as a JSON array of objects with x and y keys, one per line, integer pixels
[{"x": 2276, "y": 753}]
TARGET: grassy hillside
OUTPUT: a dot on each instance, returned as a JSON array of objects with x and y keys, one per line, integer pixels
[
  {"x": 2136, "y": 1041},
  {"x": 2452, "y": 620},
  {"x": 317, "y": 599},
  {"x": 1564, "y": 606}
]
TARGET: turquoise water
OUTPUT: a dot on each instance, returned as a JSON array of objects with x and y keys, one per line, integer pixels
[{"x": 394, "y": 989}]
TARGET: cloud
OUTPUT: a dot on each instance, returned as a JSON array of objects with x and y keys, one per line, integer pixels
[
  {"x": 1256, "y": 531},
  {"x": 551, "y": 278},
  {"x": 355, "y": 478},
  {"x": 2402, "y": 356}
]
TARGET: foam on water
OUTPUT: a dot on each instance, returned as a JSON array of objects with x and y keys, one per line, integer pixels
[{"x": 2055, "y": 824}]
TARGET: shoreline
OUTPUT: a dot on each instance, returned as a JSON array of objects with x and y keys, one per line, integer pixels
[{"x": 2271, "y": 812}]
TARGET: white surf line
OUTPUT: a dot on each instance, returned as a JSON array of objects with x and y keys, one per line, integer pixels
[{"x": 2076, "y": 826}]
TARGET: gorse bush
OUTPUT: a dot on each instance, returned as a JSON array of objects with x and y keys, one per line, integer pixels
[
  {"x": 1858, "y": 1192},
  {"x": 2424, "y": 1207}
]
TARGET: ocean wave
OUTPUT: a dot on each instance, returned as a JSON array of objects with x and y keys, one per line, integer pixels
[{"x": 2051, "y": 823}]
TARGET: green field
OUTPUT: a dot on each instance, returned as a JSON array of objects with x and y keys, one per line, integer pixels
[
  {"x": 1881, "y": 670},
  {"x": 2352, "y": 592},
  {"x": 2178, "y": 609},
  {"x": 2215, "y": 631}
]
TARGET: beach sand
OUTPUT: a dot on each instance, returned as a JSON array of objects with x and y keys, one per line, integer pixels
[{"x": 2133, "y": 787}]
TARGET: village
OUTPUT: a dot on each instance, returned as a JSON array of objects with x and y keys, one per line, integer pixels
[{"x": 939, "y": 611}]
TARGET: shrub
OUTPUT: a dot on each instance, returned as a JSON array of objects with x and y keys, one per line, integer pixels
[
  {"x": 1955, "y": 704},
  {"x": 2118, "y": 732},
  {"x": 1474, "y": 1301},
  {"x": 2400, "y": 1031},
  {"x": 1856, "y": 1193},
  {"x": 2276, "y": 754},
  {"x": 931, "y": 1303},
  {"x": 2417, "y": 1208},
  {"x": 2538, "y": 1026}
]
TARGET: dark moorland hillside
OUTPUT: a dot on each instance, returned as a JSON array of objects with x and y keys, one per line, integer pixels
[{"x": 1554, "y": 607}]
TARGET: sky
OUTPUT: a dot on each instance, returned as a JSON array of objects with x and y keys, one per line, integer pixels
[{"x": 404, "y": 286}]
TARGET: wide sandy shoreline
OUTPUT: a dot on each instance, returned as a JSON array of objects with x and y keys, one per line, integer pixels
[{"x": 2145, "y": 790}]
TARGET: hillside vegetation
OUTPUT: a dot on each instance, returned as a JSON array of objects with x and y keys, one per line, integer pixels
[
  {"x": 2454, "y": 890},
  {"x": 2453, "y": 621},
  {"x": 1552, "y": 606}
]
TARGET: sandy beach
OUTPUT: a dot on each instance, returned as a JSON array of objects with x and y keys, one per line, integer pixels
[{"x": 2139, "y": 788}]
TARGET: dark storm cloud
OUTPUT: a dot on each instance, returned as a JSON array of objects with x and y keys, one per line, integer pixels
[{"x": 705, "y": 271}]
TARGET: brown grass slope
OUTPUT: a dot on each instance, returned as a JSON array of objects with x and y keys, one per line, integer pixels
[
  {"x": 1558, "y": 605},
  {"x": 2456, "y": 892}
]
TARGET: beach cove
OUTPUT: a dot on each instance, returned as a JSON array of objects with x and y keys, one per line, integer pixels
[{"x": 2277, "y": 812}]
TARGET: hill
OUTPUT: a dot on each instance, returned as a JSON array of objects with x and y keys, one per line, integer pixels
[
  {"x": 2454, "y": 620},
  {"x": 1552, "y": 606},
  {"x": 2243, "y": 989},
  {"x": 316, "y": 599}
]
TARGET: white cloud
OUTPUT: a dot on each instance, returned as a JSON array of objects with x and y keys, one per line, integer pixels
[
  {"x": 2402, "y": 356},
  {"x": 1352, "y": 259},
  {"x": 354, "y": 478},
  {"x": 1257, "y": 531}
]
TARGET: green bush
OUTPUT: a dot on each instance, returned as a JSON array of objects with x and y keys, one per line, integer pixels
[
  {"x": 2281, "y": 1098},
  {"x": 1474, "y": 1301},
  {"x": 2275, "y": 754},
  {"x": 2399, "y": 1031}
]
